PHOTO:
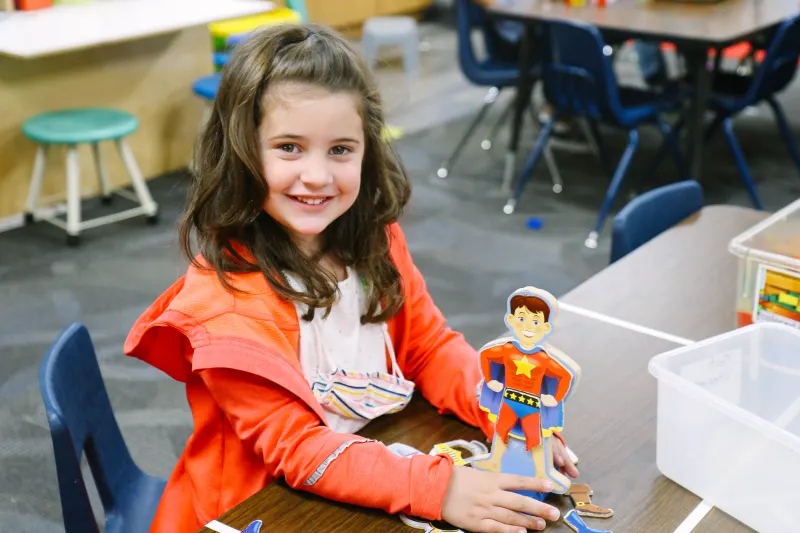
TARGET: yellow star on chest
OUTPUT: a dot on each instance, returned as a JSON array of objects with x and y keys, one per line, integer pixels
[{"x": 524, "y": 366}]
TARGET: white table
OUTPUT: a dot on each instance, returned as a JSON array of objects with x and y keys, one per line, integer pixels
[{"x": 62, "y": 28}]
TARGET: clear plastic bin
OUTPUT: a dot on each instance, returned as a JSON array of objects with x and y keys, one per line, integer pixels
[
  {"x": 729, "y": 423},
  {"x": 769, "y": 270}
]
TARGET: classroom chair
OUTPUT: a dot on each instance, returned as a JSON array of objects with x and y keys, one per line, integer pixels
[
  {"x": 82, "y": 422},
  {"x": 732, "y": 93},
  {"x": 72, "y": 128},
  {"x": 579, "y": 81},
  {"x": 496, "y": 68},
  {"x": 652, "y": 213}
]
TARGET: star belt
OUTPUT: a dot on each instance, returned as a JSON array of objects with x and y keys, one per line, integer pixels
[{"x": 521, "y": 397}]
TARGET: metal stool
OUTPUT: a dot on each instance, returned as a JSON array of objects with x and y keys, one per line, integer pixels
[
  {"x": 85, "y": 126},
  {"x": 392, "y": 31}
]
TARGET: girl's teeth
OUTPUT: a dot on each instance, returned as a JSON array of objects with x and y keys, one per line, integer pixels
[{"x": 310, "y": 201}]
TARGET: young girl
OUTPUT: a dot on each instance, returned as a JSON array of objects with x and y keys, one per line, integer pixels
[{"x": 303, "y": 316}]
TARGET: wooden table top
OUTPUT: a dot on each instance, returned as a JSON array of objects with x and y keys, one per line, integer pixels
[
  {"x": 611, "y": 417},
  {"x": 615, "y": 443},
  {"x": 711, "y": 24},
  {"x": 685, "y": 278}
]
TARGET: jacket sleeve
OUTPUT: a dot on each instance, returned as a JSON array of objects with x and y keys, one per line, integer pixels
[
  {"x": 444, "y": 367},
  {"x": 297, "y": 446}
]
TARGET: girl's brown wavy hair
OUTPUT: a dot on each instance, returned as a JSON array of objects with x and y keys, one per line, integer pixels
[{"x": 228, "y": 190}]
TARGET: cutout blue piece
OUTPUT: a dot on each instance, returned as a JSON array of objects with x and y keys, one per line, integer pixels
[
  {"x": 576, "y": 523},
  {"x": 534, "y": 223},
  {"x": 254, "y": 527}
]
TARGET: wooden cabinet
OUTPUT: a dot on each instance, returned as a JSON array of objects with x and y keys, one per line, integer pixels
[
  {"x": 390, "y": 7},
  {"x": 351, "y": 14}
]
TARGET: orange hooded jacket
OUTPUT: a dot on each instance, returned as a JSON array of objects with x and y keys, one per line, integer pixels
[{"x": 255, "y": 417}]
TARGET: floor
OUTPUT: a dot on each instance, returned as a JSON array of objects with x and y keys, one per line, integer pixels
[{"x": 471, "y": 254}]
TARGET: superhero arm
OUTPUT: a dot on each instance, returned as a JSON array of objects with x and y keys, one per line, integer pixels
[
  {"x": 564, "y": 377},
  {"x": 488, "y": 356}
]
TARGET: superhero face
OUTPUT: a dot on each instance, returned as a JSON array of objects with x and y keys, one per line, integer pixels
[{"x": 529, "y": 328}]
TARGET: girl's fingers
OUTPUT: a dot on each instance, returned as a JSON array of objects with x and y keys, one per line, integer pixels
[
  {"x": 572, "y": 470},
  {"x": 558, "y": 457},
  {"x": 512, "y": 518},
  {"x": 529, "y": 506},
  {"x": 514, "y": 482},
  {"x": 492, "y": 526}
]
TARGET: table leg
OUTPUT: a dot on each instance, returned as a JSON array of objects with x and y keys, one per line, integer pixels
[
  {"x": 522, "y": 101},
  {"x": 697, "y": 61}
]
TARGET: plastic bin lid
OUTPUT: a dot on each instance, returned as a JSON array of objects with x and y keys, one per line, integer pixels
[
  {"x": 751, "y": 374},
  {"x": 774, "y": 240}
]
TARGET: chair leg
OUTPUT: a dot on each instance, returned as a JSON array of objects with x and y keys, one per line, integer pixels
[
  {"x": 671, "y": 143},
  {"x": 549, "y": 158},
  {"x": 39, "y": 166},
  {"x": 727, "y": 126},
  {"x": 613, "y": 188},
  {"x": 488, "y": 100},
  {"x": 597, "y": 139},
  {"x": 659, "y": 157},
  {"x": 486, "y": 143},
  {"x": 530, "y": 165},
  {"x": 785, "y": 129},
  {"x": 102, "y": 173},
  {"x": 139, "y": 185},
  {"x": 73, "y": 197}
]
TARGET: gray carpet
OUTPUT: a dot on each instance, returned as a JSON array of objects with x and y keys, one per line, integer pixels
[{"x": 471, "y": 254}]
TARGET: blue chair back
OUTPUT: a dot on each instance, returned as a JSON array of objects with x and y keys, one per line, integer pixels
[
  {"x": 579, "y": 78},
  {"x": 652, "y": 213},
  {"x": 82, "y": 422},
  {"x": 499, "y": 52},
  {"x": 779, "y": 66}
]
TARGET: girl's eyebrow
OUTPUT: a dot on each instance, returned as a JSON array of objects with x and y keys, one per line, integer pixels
[
  {"x": 346, "y": 140},
  {"x": 301, "y": 138},
  {"x": 286, "y": 136}
]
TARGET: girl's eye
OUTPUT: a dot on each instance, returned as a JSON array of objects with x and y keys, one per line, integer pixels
[
  {"x": 290, "y": 148},
  {"x": 535, "y": 322},
  {"x": 521, "y": 319},
  {"x": 339, "y": 150}
]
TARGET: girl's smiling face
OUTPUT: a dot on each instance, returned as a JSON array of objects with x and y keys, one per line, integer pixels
[{"x": 311, "y": 143}]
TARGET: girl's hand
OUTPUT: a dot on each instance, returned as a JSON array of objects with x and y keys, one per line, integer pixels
[
  {"x": 562, "y": 460},
  {"x": 481, "y": 502}
]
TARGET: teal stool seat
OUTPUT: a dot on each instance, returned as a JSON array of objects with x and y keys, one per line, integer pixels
[
  {"x": 79, "y": 126},
  {"x": 86, "y": 126}
]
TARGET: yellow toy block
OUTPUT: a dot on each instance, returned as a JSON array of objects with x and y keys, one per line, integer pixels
[
  {"x": 223, "y": 29},
  {"x": 788, "y": 299}
]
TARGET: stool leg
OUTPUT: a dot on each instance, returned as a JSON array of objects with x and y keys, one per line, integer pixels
[
  {"x": 102, "y": 173},
  {"x": 73, "y": 197},
  {"x": 369, "y": 50},
  {"x": 411, "y": 55},
  {"x": 39, "y": 165},
  {"x": 137, "y": 180}
]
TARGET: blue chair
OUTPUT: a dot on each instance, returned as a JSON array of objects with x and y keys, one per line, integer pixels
[
  {"x": 652, "y": 213},
  {"x": 496, "y": 70},
  {"x": 732, "y": 94},
  {"x": 82, "y": 422},
  {"x": 579, "y": 81}
]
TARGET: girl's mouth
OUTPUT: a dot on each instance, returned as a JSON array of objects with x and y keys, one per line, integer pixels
[{"x": 313, "y": 201}]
